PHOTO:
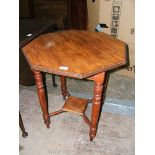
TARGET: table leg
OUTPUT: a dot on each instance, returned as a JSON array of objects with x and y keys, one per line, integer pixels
[
  {"x": 24, "y": 133},
  {"x": 96, "y": 107},
  {"x": 53, "y": 80},
  {"x": 63, "y": 87},
  {"x": 42, "y": 97}
]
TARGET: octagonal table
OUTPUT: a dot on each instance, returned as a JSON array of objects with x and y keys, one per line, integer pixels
[{"x": 77, "y": 54}]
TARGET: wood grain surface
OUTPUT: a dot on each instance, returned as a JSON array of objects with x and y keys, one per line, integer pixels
[
  {"x": 75, "y": 53},
  {"x": 75, "y": 105}
]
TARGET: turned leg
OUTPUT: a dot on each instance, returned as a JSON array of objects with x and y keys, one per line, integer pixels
[
  {"x": 53, "y": 80},
  {"x": 63, "y": 87},
  {"x": 24, "y": 133},
  {"x": 42, "y": 97},
  {"x": 96, "y": 106}
]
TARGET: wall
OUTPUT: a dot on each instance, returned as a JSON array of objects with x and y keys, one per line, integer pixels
[
  {"x": 101, "y": 12},
  {"x": 105, "y": 13},
  {"x": 93, "y": 13}
]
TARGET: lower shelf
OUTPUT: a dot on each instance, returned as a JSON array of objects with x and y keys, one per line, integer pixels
[{"x": 75, "y": 105}]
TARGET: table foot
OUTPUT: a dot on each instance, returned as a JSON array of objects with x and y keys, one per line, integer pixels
[
  {"x": 64, "y": 98},
  {"x": 90, "y": 101},
  {"x": 47, "y": 120},
  {"x": 92, "y": 133},
  {"x": 91, "y": 139},
  {"x": 54, "y": 85},
  {"x": 25, "y": 134}
]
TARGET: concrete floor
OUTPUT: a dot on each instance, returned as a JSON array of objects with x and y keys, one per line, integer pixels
[
  {"x": 119, "y": 88},
  {"x": 120, "y": 93}
]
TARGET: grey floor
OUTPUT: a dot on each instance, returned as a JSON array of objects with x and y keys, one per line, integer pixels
[
  {"x": 68, "y": 134},
  {"x": 120, "y": 93}
]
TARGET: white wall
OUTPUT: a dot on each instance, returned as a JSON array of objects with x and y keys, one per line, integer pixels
[
  {"x": 105, "y": 14},
  {"x": 101, "y": 11},
  {"x": 93, "y": 14}
]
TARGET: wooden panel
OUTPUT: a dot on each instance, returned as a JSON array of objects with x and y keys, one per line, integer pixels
[
  {"x": 55, "y": 10},
  {"x": 26, "y": 8},
  {"x": 75, "y": 105},
  {"x": 78, "y": 14},
  {"x": 25, "y": 74},
  {"x": 75, "y": 53}
]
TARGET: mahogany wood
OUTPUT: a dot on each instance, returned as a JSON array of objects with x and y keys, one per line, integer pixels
[
  {"x": 42, "y": 97},
  {"x": 78, "y": 54},
  {"x": 56, "y": 113},
  {"x": 82, "y": 53},
  {"x": 86, "y": 120},
  {"x": 63, "y": 87},
  {"x": 75, "y": 105},
  {"x": 96, "y": 107}
]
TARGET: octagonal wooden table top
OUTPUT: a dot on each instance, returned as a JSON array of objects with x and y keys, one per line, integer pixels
[{"x": 75, "y": 53}]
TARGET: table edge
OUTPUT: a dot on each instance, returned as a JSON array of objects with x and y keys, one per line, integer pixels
[{"x": 75, "y": 75}]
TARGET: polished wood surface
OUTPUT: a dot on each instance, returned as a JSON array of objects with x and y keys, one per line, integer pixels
[
  {"x": 63, "y": 87},
  {"x": 79, "y": 54},
  {"x": 42, "y": 96},
  {"x": 75, "y": 53},
  {"x": 99, "y": 79},
  {"x": 75, "y": 105}
]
